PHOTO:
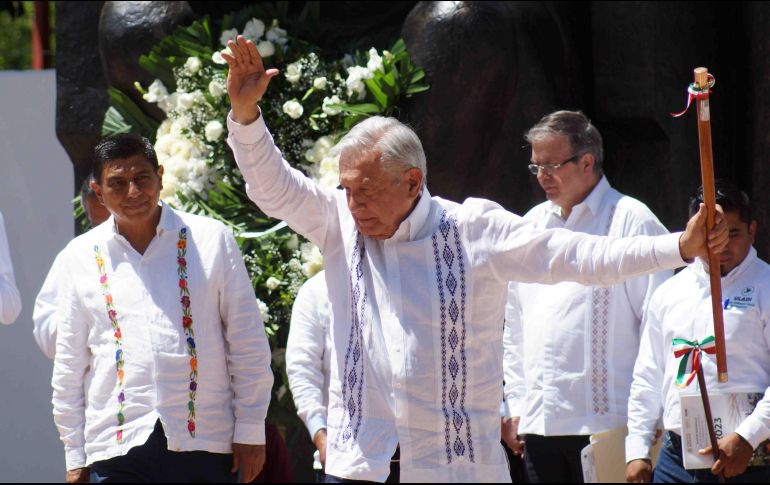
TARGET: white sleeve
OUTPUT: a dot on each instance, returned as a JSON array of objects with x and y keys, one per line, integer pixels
[
  {"x": 645, "y": 404},
  {"x": 248, "y": 353},
  {"x": 44, "y": 312},
  {"x": 756, "y": 427},
  {"x": 279, "y": 190},
  {"x": 305, "y": 350},
  {"x": 513, "y": 354},
  {"x": 10, "y": 299},
  {"x": 70, "y": 364},
  {"x": 516, "y": 250}
]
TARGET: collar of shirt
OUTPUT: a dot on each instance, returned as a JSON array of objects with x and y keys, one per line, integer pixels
[
  {"x": 592, "y": 202},
  {"x": 737, "y": 272},
  {"x": 409, "y": 230}
]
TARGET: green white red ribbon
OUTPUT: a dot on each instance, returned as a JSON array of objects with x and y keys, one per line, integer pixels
[
  {"x": 695, "y": 92},
  {"x": 690, "y": 353}
]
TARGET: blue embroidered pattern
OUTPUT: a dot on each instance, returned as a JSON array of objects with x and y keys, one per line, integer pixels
[
  {"x": 353, "y": 380},
  {"x": 447, "y": 251}
]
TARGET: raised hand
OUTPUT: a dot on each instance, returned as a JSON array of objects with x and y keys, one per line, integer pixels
[
  {"x": 695, "y": 240},
  {"x": 247, "y": 79}
]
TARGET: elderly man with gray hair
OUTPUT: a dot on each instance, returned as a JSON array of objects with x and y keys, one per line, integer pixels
[
  {"x": 569, "y": 348},
  {"x": 417, "y": 287}
]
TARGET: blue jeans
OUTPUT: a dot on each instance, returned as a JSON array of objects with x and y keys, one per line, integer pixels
[{"x": 670, "y": 468}]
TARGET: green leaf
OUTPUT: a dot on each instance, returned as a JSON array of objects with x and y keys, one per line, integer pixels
[
  {"x": 377, "y": 92},
  {"x": 132, "y": 114},
  {"x": 417, "y": 89},
  {"x": 114, "y": 123},
  {"x": 361, "y": 109}
]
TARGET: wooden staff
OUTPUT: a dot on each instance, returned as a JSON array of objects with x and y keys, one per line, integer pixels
[
  {"x": 709, "y": 419},
  {"x": 709, "y": 198}
]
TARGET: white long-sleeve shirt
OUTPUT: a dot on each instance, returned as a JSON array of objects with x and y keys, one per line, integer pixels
[
  {"x": 46, "y": 304},
  {"x": 569, "y": 348},
  {"x": 10, "y": 299},
  {"x": 233, "y": 358},
  {"x": 417, "y": 318},
  {"x": 308, "y": 353},
  {"x": 681, "y": 308}
]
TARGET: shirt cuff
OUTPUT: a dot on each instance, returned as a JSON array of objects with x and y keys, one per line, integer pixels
[
  {"x": 246, "y": 134},
  {"x": 753, "y": 430},
  {"x": 75, "y": 457},
  {"x": 314, "y": 423},
  {"x": 666, "y": 249},
  {"x": 637, "y": 448},
  {"x": 249, "y": 433},
  {"x": 510, "y": 408}
]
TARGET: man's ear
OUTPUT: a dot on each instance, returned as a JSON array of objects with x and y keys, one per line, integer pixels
[
  {"x": 415, "y": 178},
  {"x": 97, "y": 191}
]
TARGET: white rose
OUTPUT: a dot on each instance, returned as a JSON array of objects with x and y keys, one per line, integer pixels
[
  {"x": 217, "y": 58},
  {"x": 186, "y": 100},
  {"x": 193, "y": 65},
  {"x": 292, "y": 243},
  {"x": 330, "y": 111},
  {"x": 293, "y": 72},
  {"x": 313, "y": 261},
  {"x": 263, "y": 310},
  {"x": 265, "y": 48},
  {"x": 375, "y": 61},
  {"x": 216, "y": 89},
  {"x": 319, "y": 83},
  {"x": 169, "y": 103},
  {"x": 329, "y": 172},
  {"x": 276, "y": 34},
  {"x": 228, "y": 35},
  {"x": 312, "y": 156},
  {"x": 355, "y": 83},
  {"x": 324, "y": 144},
  {"x": 213, "y": 130},
  {"x": 272, "y": 283},
  {"x": 163, "y": 129},
  {"x": 254, "y": 29},
  {"x": 293, "y": 109}
]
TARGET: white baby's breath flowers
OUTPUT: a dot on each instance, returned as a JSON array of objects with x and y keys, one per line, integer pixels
[
  {"x": 213, "y": 130},
  {"x": 272, "y": 283},
  {"x": 293, "y": 72},
  {"x": 228, "y": 35},
  {"x": 254, "y": 29},
  {"x": 293, "y": 108},
  {"x": 327, "y": 108},
  {"x": 265, "y": 48},
  {"x": 319, "y": 83},
  {"x": 192, "y": 66}
]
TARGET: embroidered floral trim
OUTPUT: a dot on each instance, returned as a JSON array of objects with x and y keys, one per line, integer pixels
[
  {"x": 113, "y": 316},
  {"x": 187, "y": 325}
]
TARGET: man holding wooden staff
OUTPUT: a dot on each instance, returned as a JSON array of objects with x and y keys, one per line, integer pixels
[{"x": 678, "y": 319}]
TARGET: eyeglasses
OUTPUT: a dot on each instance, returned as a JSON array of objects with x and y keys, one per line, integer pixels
[{"x": 549, "y": 169}]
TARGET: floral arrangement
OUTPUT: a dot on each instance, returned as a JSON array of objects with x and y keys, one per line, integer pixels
[{"x": 309, "y": 107}]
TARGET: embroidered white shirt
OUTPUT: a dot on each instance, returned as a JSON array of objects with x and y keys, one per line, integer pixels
[
  {"x": 681, "y": 308},
  {"x": 10, "y": 299},
  {"x": 234, "y": 376},
  {"x": 569, "y": 348},
  {"x": 308, "y": 355},
  {"x": 417, "y": 319}
]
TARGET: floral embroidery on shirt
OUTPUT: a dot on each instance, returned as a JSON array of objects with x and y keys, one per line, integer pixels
[
  {"x": 353, "y": 376},
  {"x": 187, "y": 325},
  {"x": 451, "y": 291},
  {"x": 119, "y": 359}
]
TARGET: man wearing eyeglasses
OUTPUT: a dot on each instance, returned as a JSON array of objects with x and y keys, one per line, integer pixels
[{"x": 569, "y": 348}]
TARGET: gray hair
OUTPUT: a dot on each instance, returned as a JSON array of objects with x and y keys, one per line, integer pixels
[
  {"x": 582, "y": 135},
  {"x": 398, "y": 144}
]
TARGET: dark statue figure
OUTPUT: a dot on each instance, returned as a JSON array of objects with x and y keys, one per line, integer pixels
[{"x": 495, "y": 68}]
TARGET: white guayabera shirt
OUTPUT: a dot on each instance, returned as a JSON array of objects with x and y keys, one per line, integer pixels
[
  {"x": 569, "y": 348},
  {"x": 233, "y": 379},
  {"x": 308, "y": 355},
  {"x": 681, "y": 308},
  {"x": 417, "y": 319},
  {"x": 10, "y": 300}
]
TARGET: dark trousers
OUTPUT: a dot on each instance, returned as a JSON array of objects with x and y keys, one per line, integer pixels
[
  {"x": 554, "y": 459},
  {"x": 153, "y": 462},
  {"x": 670, "y": 467}
]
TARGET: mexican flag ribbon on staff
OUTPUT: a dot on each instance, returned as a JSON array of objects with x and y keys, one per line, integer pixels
[
  {"x": 695, "y": 92},
  {"x": 689, "y": 351}
]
